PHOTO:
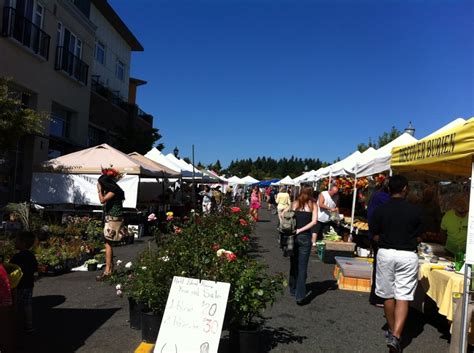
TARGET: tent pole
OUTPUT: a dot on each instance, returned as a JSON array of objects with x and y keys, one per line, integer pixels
[
  {"x": 194, "y": 185},
  {"x": 330, "y": 179},
  {"x": 467, "y": 271}
]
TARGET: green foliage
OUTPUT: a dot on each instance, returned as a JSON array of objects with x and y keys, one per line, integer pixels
[
  {"x": 214, "y": 247},
  {"x": 21, "y": 211},
  {"x": 383, "y": 139},
  {"x": 16, "y": 120},
  {"x": 269, "y": 168}
]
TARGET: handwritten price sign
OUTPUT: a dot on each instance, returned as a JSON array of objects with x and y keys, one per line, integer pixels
[{"x": 193, "y": 317}]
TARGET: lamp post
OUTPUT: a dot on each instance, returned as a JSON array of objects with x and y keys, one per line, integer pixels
[{"x": 176, "y": 152}]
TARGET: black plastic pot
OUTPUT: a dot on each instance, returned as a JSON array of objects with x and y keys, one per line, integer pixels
[
  {"x": 245, "y": 340},
  {"x": 150, "y": 326},
  {"x": 135, "y": 313},
  {"x": 91, "y": 267}
]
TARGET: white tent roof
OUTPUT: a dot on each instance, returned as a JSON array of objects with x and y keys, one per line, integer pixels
[
  {"x": 248, "y": 180},
  {"x": 304, "y": 176},
  {"x": 365, "y": 157},
  {"x": 286, "y": 181},
  {"x": 91, "y": 160},
  {"x": 235, "y": 180},
  {"x": 181, "y": 163},
  {"x": 450, "y": 125},
  {"x": 381, "y": 159},
  {"x": 155, "y": 155},
  {"x": 338, "y": 167}
]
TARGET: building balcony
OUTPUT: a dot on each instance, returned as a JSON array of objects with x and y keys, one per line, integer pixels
[
  {"x": 24, "y": 31},
  {"x": 71, "y": 64},
  {"x": 147, "y": 117}
]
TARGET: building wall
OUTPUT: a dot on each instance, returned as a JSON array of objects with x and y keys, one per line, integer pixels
[
  {"x": 115, "y": 48},
  {"x": 33, "y": 74}
]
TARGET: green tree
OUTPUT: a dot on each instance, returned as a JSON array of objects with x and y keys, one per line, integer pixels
[
  {"x": 137, "y": 140},
  {"x": 382, "y": 140},
  {"x": 16, "y": 120}
]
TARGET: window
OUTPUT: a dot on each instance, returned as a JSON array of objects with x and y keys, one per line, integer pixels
[
  {"x": 59, "y": 35},
  {"x": 120, "y": 70},
  {"x": 96, "y": 136},
  {"x": 60, "y": 122},
  {"x": 100, "y": 52}
]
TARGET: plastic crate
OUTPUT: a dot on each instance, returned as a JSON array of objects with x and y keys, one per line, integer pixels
[{"x": 354, "y": 267}]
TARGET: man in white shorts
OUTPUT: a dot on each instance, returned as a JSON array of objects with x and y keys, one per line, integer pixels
[{"x": 397, "y": 226}]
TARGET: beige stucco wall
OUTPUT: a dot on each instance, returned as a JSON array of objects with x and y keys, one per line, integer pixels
[{"x": 39, "y": 76}]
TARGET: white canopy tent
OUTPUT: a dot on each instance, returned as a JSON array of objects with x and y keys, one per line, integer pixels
[
  {"x": 72, "y": 178},
  {"x": 249, "y": 180},
  {"x": 338, "y": 168},
  {"x": 303, "y": 177},
  {"x": 235, "y": 180},
  {"x": 285, "y": 181},
  {"x": 155, "y": 155}
]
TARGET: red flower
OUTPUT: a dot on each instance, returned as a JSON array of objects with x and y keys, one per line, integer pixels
[
  {"x": 216, "y": 247},
  {"x": 245, "y": 238},
  {"x": 230, "y": 256},
  {"x": 235, "y": 210},
  {"x": 177, "y": 230},
  {"x": 243, "y": 222}
]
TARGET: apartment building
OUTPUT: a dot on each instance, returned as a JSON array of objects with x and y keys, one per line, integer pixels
[
  {"x": 70, "y": 59},
  {"x": 46, "y": 49},
  {"x": 114, "y": 115}
]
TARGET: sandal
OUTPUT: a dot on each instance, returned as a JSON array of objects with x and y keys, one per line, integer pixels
[{"x": 103, "y": 276}]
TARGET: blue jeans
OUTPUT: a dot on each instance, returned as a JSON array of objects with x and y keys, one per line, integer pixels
[{"x": 299, "y": 265}]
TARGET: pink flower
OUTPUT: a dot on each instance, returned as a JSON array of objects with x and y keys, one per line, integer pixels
[
  {"x": 151, "y": 217},
  {"x": 245, "y": 238},
  {"x": 243, "y": 222},
  {"x": 230, "y": 256},
  {"x": 235, "y": 209},
  {"x": 177, "y": 230}
]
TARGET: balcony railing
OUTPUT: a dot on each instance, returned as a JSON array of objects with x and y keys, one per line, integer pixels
[
  {"x": 26, "y": 32},
  {"x": 147, "y": 117},
  {"x": 71, "y": 64}
]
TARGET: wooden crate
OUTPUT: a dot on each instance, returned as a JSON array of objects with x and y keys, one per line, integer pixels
[{"x": 350, "y": 283}]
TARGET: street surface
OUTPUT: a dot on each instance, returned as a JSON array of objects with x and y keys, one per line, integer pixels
[{"x": 74, "y": 313}]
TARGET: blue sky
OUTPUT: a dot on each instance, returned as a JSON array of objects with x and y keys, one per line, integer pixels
[{"x": 242, "y": 79}]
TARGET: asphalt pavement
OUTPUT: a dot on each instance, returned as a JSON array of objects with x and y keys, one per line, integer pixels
[{"x": 74, "y": 313}]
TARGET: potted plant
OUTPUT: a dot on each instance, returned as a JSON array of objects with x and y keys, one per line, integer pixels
[
  {"x": 91, "y": 264},
  {"x": 252, "y": 291}
]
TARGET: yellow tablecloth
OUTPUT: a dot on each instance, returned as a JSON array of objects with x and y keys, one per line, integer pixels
[{"x": 440, "y": 285}]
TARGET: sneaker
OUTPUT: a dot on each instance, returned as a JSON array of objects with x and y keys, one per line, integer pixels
[
  {"x": 393, "y": 344},
  {"x": 387, "y": 335}
]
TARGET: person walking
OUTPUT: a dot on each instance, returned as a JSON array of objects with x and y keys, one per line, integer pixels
[
  {"x": 327, "y": 203},
  {"x": 306, "y": 214},
  {"x": 379, "y": 197},
  {"x": 206, "y": 199},
  {"x": 283, "y": 202},
  {"x": 255, "y": 202},
  {"x": 397, "y": 226},
  {"x": 111, "y": 196}
]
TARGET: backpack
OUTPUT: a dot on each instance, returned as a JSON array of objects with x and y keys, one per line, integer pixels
[{"x": 288, "y": 223}]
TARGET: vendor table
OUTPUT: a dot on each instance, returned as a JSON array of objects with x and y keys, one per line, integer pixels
[{"x": 440, "y": 285}]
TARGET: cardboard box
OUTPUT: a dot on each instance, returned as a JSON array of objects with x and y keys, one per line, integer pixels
[{"x": 340, "y": 245}]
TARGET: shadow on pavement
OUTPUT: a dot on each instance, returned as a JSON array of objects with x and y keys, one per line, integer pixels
[
  {"x": 61, "y": 330},
  {"x": 319, "y": 288},
  {"x": 272, "y": 337}
]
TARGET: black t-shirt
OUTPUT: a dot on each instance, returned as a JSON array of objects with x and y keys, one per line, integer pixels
[
  {"x": 27, "y": 261},
  {"x": 398, "y": 223}
]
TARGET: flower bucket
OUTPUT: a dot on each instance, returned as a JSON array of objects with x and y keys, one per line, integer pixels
[
  {"x": 245, "y": 341},
  {"x": 134, "y": 311},
  {"x": 150, "y": 323}
]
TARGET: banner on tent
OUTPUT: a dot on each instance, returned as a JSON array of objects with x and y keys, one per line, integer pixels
[{"x": 77, "y": 189}]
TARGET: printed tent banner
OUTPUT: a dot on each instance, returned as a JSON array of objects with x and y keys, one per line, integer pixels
[{"x": 448, "y": 153}]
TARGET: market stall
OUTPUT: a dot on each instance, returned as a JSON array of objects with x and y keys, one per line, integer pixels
[
  {"x": 72, "y": 178},
  {"x": 445, "y": 156}
]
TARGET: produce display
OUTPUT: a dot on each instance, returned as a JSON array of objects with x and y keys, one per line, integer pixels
[
  {"x": 361, "y": 225},
  {"x": 332, "y": 236}
]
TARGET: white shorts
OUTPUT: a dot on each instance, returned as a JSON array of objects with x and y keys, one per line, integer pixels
[{"x": 397, "y": 274}]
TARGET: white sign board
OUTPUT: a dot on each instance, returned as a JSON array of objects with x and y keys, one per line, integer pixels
[
  {"x": 193, "y": 316},
  {"x": 470, "y": 225}
]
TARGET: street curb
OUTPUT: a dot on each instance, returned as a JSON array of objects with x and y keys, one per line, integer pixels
[{"x": 145, "y": 348}]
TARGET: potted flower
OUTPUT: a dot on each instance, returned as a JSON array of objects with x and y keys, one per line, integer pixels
[
  {"x": 252, "y": 291},
  {"x": 91, "y": 264}
]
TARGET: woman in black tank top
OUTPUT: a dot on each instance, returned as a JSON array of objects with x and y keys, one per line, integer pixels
[{"x": 306, "y": 213}]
